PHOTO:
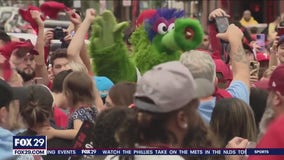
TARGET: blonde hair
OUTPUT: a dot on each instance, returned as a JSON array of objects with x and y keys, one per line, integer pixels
[{"x": 75, "y": 66}]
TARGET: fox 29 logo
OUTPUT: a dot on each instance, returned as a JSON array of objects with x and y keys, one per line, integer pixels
[{"x": 29, "y": 142}]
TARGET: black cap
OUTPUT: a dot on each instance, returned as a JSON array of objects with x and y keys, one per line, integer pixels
[{"x": 8, "y": 93}]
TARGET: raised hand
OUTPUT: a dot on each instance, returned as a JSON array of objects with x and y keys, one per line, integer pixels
[
  {"x": 90, "y": 15},
  {"x": 217, "y": 13},
  {"x": 233, "y": 33},
  {"x": 36, "y": 15},
  {"x": 74, "y": 17}
]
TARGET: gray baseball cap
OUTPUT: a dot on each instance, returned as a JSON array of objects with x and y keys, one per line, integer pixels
[{"x": 170, "y": 86}]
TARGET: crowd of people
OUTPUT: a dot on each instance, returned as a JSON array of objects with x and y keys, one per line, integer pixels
[{"x": 198, "y": 101}]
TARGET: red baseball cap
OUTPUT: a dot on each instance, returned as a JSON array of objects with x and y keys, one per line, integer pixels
[
  {"x": 276, "y": 81},
  {"x": 25, "y": 46},
  {"x": 221, "y": 67},
  {"x": 6, "y": 51},
  {"x": 262, "y": 57}
]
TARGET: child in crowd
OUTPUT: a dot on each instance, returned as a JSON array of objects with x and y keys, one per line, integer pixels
[{"x": 78, "y": 88}]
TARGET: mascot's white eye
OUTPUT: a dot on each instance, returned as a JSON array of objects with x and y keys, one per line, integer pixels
[
  {"x": 171, "y": 27},
  {"x": 162, "y": 28}
]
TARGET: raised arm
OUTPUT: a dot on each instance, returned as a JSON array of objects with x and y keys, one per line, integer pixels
[
  {"x": 240, "y": 64},
  {"x": 41, "y": 68},
  {"x": 273, "y": 60},
  {"x": 77, "y": 43},
  {"x": 50, "y": 132},
  {"x": 214, "y": 41}
]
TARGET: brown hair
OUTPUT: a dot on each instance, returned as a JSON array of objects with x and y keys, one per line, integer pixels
[
  {"x": 232, "y": 117},
  {"x": 37, "y": 108},
  {"x": 121, "y": 94},
  {"x": 147, "y": 127},
  {"x": 79, "y": 88},
  {"x": 59, "y": 53}
]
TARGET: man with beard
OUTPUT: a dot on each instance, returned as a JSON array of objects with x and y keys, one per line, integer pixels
[
  {"x": 271, "y": 130},
  {"x": 32, "y": 68},
  {"x": 26, "y": 67},
  {"x": 275, "y": 106}
]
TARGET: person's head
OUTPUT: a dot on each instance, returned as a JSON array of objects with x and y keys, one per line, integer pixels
[
  {"x": 26, "y": 67},
  {"x": 258, "y": 100},
  {"x": 107, "y": 123},
  {"x": 167, "y": 109},
  {"x": 22, "y": 58},
  {"x": 223, "y": 73},
  {"x": 78, "y": 88},
  {"x": 10, "y": 100},
  {"x": 59, "y": 61},
  {"x": 37, "y": 107},
  {"x": 205, "y": 43},
  {"x": 276, "y": 91},
  {"x": 200, "y": 64},
  {"x": 121, "y": 94},
  {"x": 103, "y": 85},
  {"x": 231, "y": 118},
  {"x": 57, "y": 88},
  {"x": 6, "y": 96},
  {"x": 4, "y": 38},
  {"x": 247, "y": 15},
  {"x": 280, "y": 49}
]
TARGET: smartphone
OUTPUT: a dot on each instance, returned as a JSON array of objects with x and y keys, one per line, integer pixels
[
  {"x": 254, "y": 66},
  {"x": 260, "y": 41},
  {"x": 222, "y": 24}
]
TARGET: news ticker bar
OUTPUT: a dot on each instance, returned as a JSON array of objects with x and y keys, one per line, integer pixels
[{"x": 277, "y": 151}]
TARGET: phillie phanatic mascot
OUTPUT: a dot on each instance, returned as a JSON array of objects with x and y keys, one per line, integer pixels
[{"x": 161, "y": 35}]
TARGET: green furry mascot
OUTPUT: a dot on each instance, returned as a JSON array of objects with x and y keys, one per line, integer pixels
[{"x": 161, "y": 35}]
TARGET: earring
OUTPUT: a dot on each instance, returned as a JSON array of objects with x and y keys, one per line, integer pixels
[{"x": 185, "y": 125}]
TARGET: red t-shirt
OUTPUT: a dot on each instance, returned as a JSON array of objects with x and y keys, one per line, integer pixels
[
  {"x": 60, "y": 118},
  {"x": 273, "y": 138}
]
